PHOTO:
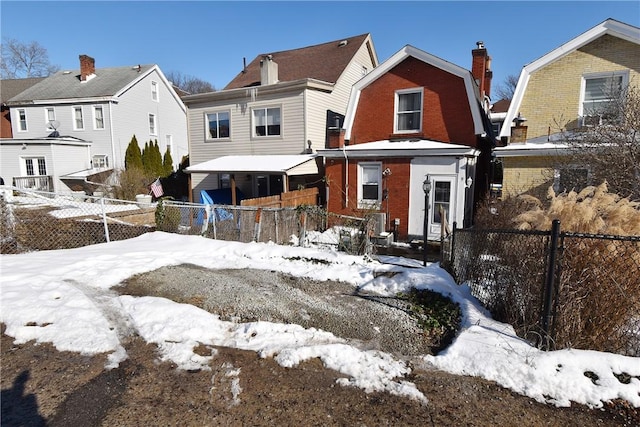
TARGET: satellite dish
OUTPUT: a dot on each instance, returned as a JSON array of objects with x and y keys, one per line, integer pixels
[{"x": 54, "y": 124}]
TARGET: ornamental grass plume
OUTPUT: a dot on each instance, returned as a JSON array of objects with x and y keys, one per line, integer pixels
[{"x": 593, "y": 210}]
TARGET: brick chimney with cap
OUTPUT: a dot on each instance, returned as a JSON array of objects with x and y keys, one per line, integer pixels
[
  {"x": 481, "y": 69},
  {"x": 87, "y": 67}
]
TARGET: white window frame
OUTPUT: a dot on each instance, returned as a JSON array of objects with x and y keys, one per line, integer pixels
[
  {"x": 97, "y": 108},
  {"x": 100, "y": 161},
  {"x": 266, "y": 109},
  {"x": 369, "y": 203},
  {"x": 396, "y": 112},
  {"x": 168, "y": 140},
  {"x": 22, "y": 120},
  {"x": 153, "y": 124},
  {"x": 33, "y": 164},
  {"x": 155, "y": 94},
  {"x": 583, "y": 117},
  {"x": 207, "y": 130},
  {"x": 49, "y": 116},
  {"x": 74, "y": 111}
]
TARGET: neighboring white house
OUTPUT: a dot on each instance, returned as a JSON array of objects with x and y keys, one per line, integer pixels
[
  {"x": 280, "y": 105},
  {"x": 104, "y": 108}
]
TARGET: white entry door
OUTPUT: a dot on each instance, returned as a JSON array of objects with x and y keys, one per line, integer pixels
[{"x": 440, "y": 205}]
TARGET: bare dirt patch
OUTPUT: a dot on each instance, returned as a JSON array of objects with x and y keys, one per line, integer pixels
[{"x": 42, "y": 386}]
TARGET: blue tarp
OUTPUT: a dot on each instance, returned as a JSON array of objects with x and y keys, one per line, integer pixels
[{"x": 220, "y": 196}]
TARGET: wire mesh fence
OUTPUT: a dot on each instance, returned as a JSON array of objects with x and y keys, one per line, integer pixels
[
  {"x": 36, "y": 220},
  {"x": 589, "y": 297},
  {"x": 302, "y": 226}
]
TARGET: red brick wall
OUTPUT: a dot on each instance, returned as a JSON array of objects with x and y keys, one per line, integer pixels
[
  {"x": 447, "y": 116},
  {"x": 397, "y": 184}
]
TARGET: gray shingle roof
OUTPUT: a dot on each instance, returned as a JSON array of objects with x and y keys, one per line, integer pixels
[
  {"x": 67, "y": 84},
  {"x": 12, "y": 87}
]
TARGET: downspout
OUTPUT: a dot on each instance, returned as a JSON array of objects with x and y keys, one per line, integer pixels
[
  {"x": 346, "y": 177},
  {"x": 113, "y": 145}
]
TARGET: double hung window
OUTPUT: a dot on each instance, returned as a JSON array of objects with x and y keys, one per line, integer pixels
[
  {"x": 217, "y": 125},
  {"x": 100, "y": 161},
  {"x": 600, "y": 93},
  {"x": 369, "y": 184},
  {"x": 408, "y": 111},
  {"x": 152, "y": 124},
  {"x": 266, "y": 121},
  {"x": 22, "y": 120},
  {"x": 154, "y": 91},
  {"x": 98, "y": 117},
  {"x": 78, "y": 119}
]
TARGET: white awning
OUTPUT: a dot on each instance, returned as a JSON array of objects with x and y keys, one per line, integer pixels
[{"x": 296, "y": 164}]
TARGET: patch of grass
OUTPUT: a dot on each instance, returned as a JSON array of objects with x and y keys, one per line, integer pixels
[{"x": 437, "y": 315}]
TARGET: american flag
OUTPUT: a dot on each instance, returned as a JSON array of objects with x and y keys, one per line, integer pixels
[{"x": 156, "y": 188}]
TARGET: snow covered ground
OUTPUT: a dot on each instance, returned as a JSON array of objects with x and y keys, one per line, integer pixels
[{"x": 63, "y": 297}]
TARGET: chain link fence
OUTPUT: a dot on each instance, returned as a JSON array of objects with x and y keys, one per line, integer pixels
[
  {"x": 301, "y": 226},
  {"x": 37, "y": 220},
  {"x": 576, "y": 291}
]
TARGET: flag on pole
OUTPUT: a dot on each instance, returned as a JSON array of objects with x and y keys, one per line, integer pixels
[{"x": 156, "y": 188}]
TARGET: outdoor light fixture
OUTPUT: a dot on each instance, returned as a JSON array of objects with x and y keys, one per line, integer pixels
[
  {"x": 426, "y": 187},
  {"x": 469, "y": 182}
]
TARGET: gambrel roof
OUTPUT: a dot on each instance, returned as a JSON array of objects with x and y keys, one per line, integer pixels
[
  {"x": 608, "y": 27},
  {"x": 325, "y": 62},
  {"x": 471, "y": 88}
]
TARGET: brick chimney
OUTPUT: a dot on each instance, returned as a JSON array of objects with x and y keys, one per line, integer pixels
[
  {"x": 519, "y": 131},
  {"x": 336, "y": 138},
  {"x": 481, "y": 69},
  {"x": 268, "y": 71},
  {"x": 87, "y": 67}
]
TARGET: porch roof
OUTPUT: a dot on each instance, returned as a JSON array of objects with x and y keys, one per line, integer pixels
[
  {"x": 401, "y": 148},
  {"x": 295, "y": 164}
]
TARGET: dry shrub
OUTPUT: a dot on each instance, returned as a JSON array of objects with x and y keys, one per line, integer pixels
[
  {"x": 598, "y": 297},
  {"x": 131, "y": 182}
]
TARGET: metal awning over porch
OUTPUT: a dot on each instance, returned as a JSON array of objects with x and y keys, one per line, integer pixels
[{"x": 291, "y": 165}]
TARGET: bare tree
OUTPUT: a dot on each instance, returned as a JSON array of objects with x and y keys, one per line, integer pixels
[
  {"x": 189, "y": 84},
  {"x": 507, "y": 88},
  {"x": 608, "y": 149},
  {"x": 20, "y": 60}
]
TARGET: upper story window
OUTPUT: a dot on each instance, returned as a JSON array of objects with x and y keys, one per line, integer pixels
[
  {"x": 98, "y": 117},
  {"x": 22, "y": 120},
  {"x": 600, "y": 95},
  {"x": 50, "y": 115},
  {"x": 408, "y": 110},
  {"x": 217, "y": 125},
  {"x": 154, "y": 91},
  {"x": 152, "y": 124},
  {"x": 78, "y": 120},
  {"x": 369, "y": 184},
  {"x": 266, "y": 121}
]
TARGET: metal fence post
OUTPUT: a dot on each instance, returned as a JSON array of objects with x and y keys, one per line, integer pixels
[
  {"x": 549, "y": 280},
  {"x": 104, "y": 219}
]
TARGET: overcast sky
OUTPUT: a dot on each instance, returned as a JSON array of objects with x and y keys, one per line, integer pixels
[{"x": 209, "y": 39}]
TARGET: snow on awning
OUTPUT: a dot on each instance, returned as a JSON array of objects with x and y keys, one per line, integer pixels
[
  {"x": 296, "y": 164},
  {"x": 401, "y": 148}
]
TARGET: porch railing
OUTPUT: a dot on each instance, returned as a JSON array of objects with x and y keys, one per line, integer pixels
[{"x": 34, "y": 182}]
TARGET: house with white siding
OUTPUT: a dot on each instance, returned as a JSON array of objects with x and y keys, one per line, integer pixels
[
  {"x": 280, "y": 107},
  {"x": 98, "y": 109}
]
